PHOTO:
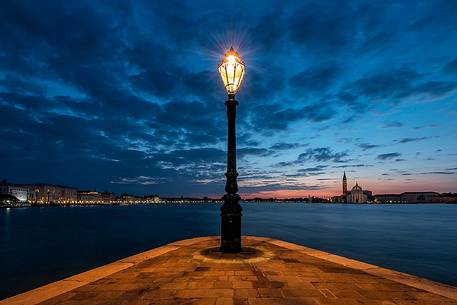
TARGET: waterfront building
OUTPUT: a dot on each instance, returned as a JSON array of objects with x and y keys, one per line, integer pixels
[
  {"x": 19, "y": 192},
  {"x": 152, "y": 199},
  {"x": 42, "y": 193},
  {"x": 337, "y": 199},
  {"x": 8, "y": 200},
  {"x": 388, "y": 198},
  {"x": 94, "y": 197},
  {"x": 345, "y": 185},
  {"x": 416, "y": 197},
  {"x": 107, "y": 197},
  {"x": 355, "y": 195},
  {"x": 89, "y": 197},
  {"x": 199, "y": 200},
  {"x": 420, "y": 197},
  {"x": 446, "y": 198},
  {"x": 131, "y": 199}
]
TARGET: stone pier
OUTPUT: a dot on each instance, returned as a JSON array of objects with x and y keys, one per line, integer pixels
[{"x": 269, "y": 271}]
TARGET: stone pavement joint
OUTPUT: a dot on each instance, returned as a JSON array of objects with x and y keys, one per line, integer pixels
[{"x": 269, "y": 272}]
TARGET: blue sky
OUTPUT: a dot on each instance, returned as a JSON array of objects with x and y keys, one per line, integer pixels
[{"x": 125, "y": 95}]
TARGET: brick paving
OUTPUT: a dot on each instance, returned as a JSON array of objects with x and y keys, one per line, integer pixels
[{"x": 266, "y": 274}]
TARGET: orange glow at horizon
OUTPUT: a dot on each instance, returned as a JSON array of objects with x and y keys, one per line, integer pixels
[{"x": 386, "y": 187}]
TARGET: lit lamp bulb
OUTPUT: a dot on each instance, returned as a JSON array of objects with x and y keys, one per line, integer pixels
[{"x": 232, "y": 70}]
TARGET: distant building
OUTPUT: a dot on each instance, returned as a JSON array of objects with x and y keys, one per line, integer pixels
[
  {"x": 345, "y": 185},
  {"x": 355, "y": 195},
  {"x": 448, "y": 198},
  {"x": 94, "y": 197},
  {"x": 89, "y": 197},
  {"x": 107, "y": 197},
  {"x": 416, "y": 197},
  {"x": 388, "y": 198},
  {"x": 8, "y": 200},
  {"x": 49, "y": 193},
  {"x": 131, "y": 199},
  {"x": 420, "y": 197},
  {"x": 19, "y": 192},
  {"x": 152, "y": 199}
]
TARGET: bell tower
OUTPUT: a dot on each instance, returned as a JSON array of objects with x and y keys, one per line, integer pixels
[{"x": 345, "y": 185}]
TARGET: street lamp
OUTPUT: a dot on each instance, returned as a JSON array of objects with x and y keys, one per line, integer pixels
[{"x": 232, "y": 70}]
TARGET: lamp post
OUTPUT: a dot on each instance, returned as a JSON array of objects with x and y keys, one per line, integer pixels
[{"x": 232, "y": 70}]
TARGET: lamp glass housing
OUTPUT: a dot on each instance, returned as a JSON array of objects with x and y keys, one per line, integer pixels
[{"x": 232, "y": 70}]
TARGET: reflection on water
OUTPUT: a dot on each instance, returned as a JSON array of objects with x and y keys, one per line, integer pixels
[{"x": 41, "y": 245}]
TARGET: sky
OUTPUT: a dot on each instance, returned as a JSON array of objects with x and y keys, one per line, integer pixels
[{"x": 125, "y": 95}]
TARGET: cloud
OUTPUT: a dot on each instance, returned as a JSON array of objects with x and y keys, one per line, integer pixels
[
  {"x": 437, "y": 173},
  {"x": 278, "y": 187},
  {"x": 426, "y": 126},
  {"x": 351, "y": 165},
  {"x": 144, "y": 180},
  {"x": 366, "y": 146},
  {"x": 286, "y": 146},
  {"x": 321, "y": 154},
  {"x": 451, "y": 67},
  {"x": 190, "y": 157},
  {"x": 253, "y": 151},
  {"x": 391, "y": 83},
  {"x": 432, "y": 89},
  {"x": 312, "y": 169},
  {"x": 309, "y": 171},
  {"x": 159, "y": 83},
  {"x": 315, "y": 79},
  {"x": 388, "y": 156},
  {"x": 349, "y": 140},
  {"x": 322, "y": 27},
  {"x": 393, "y": 86},
  {"x": 393, "y": 124},
  {"x": 275, "y": 117},
  {"x": 409, "y": 140}
]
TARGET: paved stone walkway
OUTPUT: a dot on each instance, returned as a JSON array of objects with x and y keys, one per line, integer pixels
[{"x": 268, "y": 273}]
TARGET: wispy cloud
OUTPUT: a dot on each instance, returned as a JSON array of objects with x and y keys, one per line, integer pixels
[
  {"x": 426, "y": 126},
  {"x": 409, "y": 140},
  {"x": 393, "y": 125},
  {"x": 437, "y": 173},
  {"x": 351, "y": 165},
  {"x": 366, "y": 146},
  {"x": 321, "y": 154},
  {"x": 143, "y": 180},
  {"x": 286, "y": 146},
  {"x": 388, "y": 156}
]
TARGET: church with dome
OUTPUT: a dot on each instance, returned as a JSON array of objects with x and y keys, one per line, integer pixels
[{"x": 356, "y": 194}]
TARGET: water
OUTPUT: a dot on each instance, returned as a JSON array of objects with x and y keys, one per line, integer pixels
[{"x": 42, "y": 245}]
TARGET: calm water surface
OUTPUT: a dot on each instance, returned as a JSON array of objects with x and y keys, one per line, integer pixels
[{"x": 42, "y": 245}]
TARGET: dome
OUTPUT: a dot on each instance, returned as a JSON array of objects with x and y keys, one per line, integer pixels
[{"x": 356, "y": 187}]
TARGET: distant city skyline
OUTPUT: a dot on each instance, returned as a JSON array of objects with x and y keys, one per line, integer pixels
[
  {"x": 306, "y": 194},
  {"x": 126, "y": 96}
]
